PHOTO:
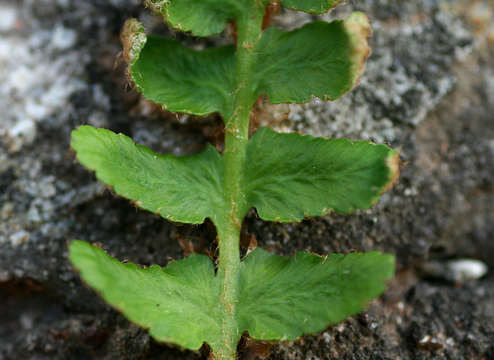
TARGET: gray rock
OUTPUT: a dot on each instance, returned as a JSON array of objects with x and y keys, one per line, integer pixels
[{"x": 428, "y": 89}]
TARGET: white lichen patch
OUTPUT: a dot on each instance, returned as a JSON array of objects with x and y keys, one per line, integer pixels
[
  {"x": 39, "y": 72},
  {"x": 19, "y": 237},
  {"x": 338, "y": 119},
  {"x": 43, "y": 65},
  {"x": 63, "y": 38},
  {"x": 8, "y": 14}
]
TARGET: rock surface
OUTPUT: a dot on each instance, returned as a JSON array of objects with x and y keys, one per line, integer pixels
[{"x": 429, "y": 89}]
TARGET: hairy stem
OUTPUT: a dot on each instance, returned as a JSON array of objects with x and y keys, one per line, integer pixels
[{"x": 237, "y": 135}]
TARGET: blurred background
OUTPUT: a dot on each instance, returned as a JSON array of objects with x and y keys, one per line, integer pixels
[{"x": 428, "y": 89}]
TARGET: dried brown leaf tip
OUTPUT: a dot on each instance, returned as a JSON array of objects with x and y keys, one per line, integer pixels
[
  {"x": 157, "y": 6},
  {"x": 133, "y": 40},
  {"x": 359, "y": 30},
  {"x": 393, "y": 163}
]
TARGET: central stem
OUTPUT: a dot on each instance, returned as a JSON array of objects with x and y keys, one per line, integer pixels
[{"x": 249, "y": 29}]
